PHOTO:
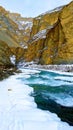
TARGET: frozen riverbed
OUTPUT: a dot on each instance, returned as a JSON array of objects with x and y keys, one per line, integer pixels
[{"x": 18, "y": 110}]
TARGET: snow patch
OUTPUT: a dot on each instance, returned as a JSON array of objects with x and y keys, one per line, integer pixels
[
  {"x": 70, "y": 79},
  {"x": 54, "y": 10},
  {"x": 25, "y": 47},
  {"x": 13, "y": 59},
  {"x": 61, "y": 69},
  {"x": 41, "y": 34},
  {"x": 24, "y": 25},
  {"x": 22, "y": 44},
  {"x": 30, "y": 71}
]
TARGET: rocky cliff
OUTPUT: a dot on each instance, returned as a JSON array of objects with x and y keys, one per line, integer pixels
[
  {"x": 52, "y": 37},
  {"x": 14, "y": 34},
  {"x": 46, "y": 39}
]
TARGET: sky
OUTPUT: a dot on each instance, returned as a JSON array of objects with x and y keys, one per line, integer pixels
[{"x": 31, "y": 8}]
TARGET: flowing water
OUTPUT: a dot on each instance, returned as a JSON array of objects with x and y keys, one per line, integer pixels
[{"x": 37, "y": 99}]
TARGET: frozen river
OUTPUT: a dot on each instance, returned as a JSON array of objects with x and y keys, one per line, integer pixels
[{"x": 27, "y": 99}]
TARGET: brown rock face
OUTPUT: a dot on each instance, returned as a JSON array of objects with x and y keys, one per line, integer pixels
[
  {"x": 4, "y": 54},
  {"x": 10, "y": 39},
  {"x": 52, "y": 37}
]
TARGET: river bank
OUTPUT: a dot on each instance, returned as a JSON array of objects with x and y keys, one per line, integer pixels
[
  {"x": 61, "y": 68},
  {"x": 5, "y": 72}
]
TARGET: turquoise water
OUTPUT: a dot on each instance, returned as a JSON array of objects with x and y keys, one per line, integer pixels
[{"x": 52, "y": 92}]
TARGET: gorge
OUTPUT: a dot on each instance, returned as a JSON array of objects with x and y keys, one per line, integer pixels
[
  {"x": 36, "y": 70},
  {"x": 46, "y": 39}
]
